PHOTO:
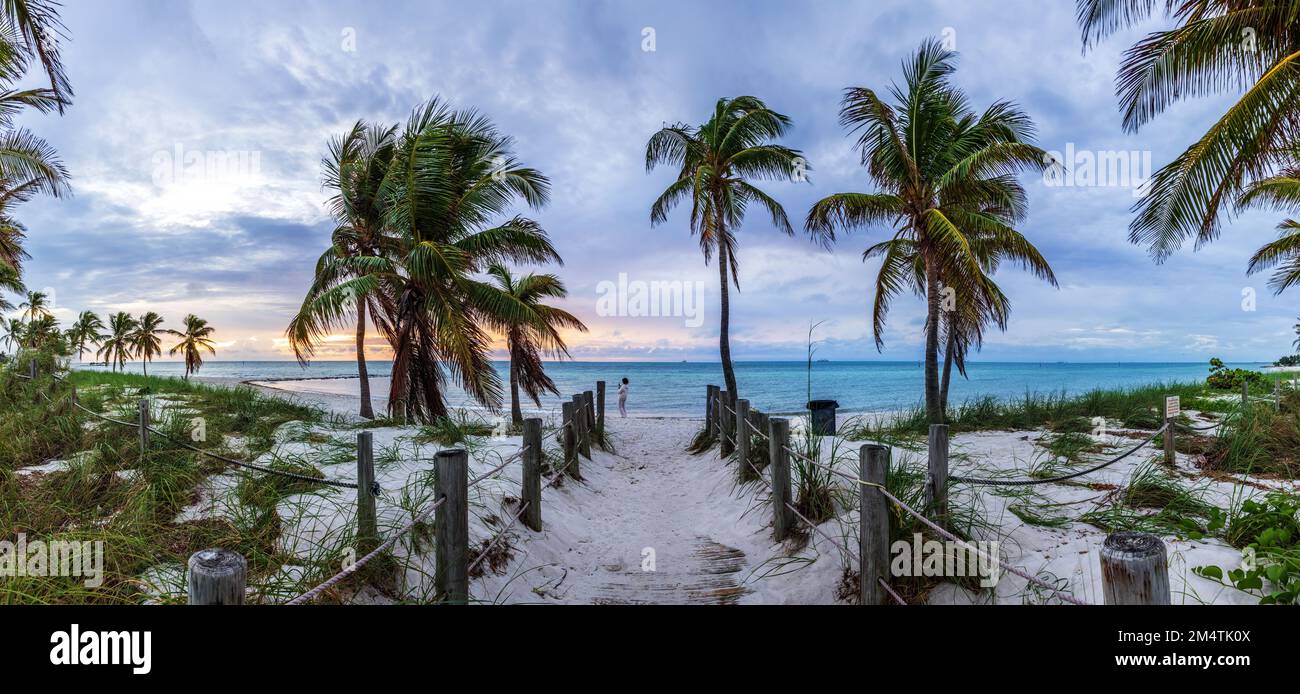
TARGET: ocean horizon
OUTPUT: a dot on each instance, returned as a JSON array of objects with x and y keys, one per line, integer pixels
[{"x": 677, "y": 388}]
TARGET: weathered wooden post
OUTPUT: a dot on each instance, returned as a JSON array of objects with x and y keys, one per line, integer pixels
[
  {"x": 589, "y": 401},
  {"x": 873, "y": 533},
  {"x": 1171, "y": 414},
  {"x": 451, "y": 570},
  {"x": 727, "y": 445},
  {"x": 143, "y": 408},
  {"x": 742, "y": 437},
  {"x": 782, "y": 519},
  {"x": 367, "y": 523},
  {"x": 569, "y": 436},
  {"x": 33, "y": 370},
  {"x": 1245, "y": 393},
  {"x": 531, "y": 491},
  {"x": 600, "y": 410},
  {"x": 1134, "y": 569},
  {"x": 580, "y": 426},
  {"x": 936, "y": 491},
  {"x": 711, "y": 410},
  {"x": 216, "y": 577}
]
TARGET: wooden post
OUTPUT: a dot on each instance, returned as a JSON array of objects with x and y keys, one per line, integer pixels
[
  {"x": 1171, "y": 453},
  {"x": 742, "y": 437},
  {"x": 873, "y": 533},
  {"x": 1134, "y": 569},
  {"x": 727, "y": 445},
  {"x": 936, "y": 492},
  {"x": 782, "y": 518},
  {"x": 32, "y": 369},
  {"x": 367, "y": 523},
  {"x": 143, "y": 407},
  {"x": 708, "y": 406},
  {"x": 580, "y": 425},
  {"x": 1245, "y": 393},
  {"x": 569, "y": 435},
  {"x": 451, "y": 571},
  {"x": 216, "y": 577},
  {"x": 589, "y": 401},
  {"x": 531, "y": 488},
  {"x": 600, "y": 409},
  {"x": 713, "y": 411}
]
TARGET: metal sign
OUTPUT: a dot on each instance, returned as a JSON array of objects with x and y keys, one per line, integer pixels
[{"x": 1172, "y": 407}]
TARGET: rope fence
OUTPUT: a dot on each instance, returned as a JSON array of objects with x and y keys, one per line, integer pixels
[
  {"x": 1127, "y": 582},
  {"x": 219, "y": 576}
]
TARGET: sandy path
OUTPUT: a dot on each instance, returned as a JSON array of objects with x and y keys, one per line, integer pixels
[{"x": 649, "y": 535}]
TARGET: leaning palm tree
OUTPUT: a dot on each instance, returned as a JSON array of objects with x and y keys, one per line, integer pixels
[
  {"x": 30, "y": 31},
  {"x": 13, "y": 333},
  {"x": 117, "y": 349},
  {"x": 35, "y": 306},
  {"x": 1248, "y": 46},
  {"x": 86, "y": 332},
  {"x": 716, "y": 162},
  {"x": 533, "y": 332},
  {"x": 354, "y": 171},
  {"x": 451, "y": 177},
  {"x": 946, "y": 179},
  {"x": 196, "y": 337},
  {"x": 144, "y": 339}
]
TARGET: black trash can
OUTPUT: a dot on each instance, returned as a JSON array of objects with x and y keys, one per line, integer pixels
[{"x": 823, "y": 417}]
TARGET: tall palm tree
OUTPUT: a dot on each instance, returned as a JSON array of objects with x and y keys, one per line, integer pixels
[
  {"x": 1248, "y": 46},
  {"x": 35, "y": 306},
  {"x": 354, "y": 171},
  {"x": 196, "y": 337},
  {"x": 946, "y": 179},
  {"x": 87, "y": 331},
  {"x": 13, "y": 333},
  {"x": 117, "y": 349},
  {"x": 145, "y": 342},
  {"x": 716, "y": 162},
  {"x": 42, "y": 332},
  {"x": 451, "y": 176},
  {"x": 532, "y": 333}
]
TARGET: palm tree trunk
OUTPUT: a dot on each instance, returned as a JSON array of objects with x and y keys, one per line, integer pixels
[
  {"x": 724, "y": 340},
  {"x": 947, "y": 372},
  {"x": 366, "y": 410},
  {"x": 516, "y": 414},
  {"x": 933, "y": 410}
]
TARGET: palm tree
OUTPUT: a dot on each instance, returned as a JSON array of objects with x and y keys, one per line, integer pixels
[
  {"x": 535, "y": 332},
  {"x": 354, "y": 170},
  {"x": 452, "y": 174},
  {"x": 42, "y": 332},
  {"x": 145, "y": 342},
  {"x": 30, "y": 31},
  {"x": 716, "y": 162},
  {"x": 37, "y": 305},
  {"x": 196, "y": 337},
  {"x": 88, "y": 330},
  {"x": 13, "y": 335},
  {"x": 117, "y": 349},
  {"x": 1217, "y": 46},
  {"x": 946, "y": 178}
]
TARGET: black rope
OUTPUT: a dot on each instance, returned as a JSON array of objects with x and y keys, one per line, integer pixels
[{"x": 1062, "y": 478}]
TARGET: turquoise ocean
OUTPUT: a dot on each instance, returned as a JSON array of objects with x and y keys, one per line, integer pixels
[{"x": 670, "y": 388}]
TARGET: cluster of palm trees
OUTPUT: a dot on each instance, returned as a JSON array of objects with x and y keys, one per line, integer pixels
[
  {"x": 127, "y": 337},
  {"x": 420, "y": 215},
  {"x": 946, "y": 184}
]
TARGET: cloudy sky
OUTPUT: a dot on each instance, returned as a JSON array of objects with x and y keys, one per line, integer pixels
[{"x": 254, "y": 90}]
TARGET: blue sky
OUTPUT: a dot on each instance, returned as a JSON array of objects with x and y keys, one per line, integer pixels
[{"x": 573, "y": 83}]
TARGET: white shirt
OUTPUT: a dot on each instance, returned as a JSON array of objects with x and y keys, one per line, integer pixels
[{"x": 622, "y": 390}]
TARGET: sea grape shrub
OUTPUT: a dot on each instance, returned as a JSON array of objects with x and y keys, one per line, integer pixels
[
  {"x": 1268, "y": 534},
  {"x": 1223, "y": 378},
  {"x": 1288, "y": 360}
]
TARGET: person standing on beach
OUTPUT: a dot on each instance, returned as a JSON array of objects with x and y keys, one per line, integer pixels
[{"x": 622, "y": 398}]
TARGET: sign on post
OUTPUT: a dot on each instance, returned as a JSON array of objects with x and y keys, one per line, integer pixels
[{"x": 1172, "y": 407}]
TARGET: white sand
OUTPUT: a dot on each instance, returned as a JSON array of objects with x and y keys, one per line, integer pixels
[{"x": 654, "y": 524}]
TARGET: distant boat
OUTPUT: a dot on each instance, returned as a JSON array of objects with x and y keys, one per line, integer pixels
[{"x": 823, "y": 361}]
